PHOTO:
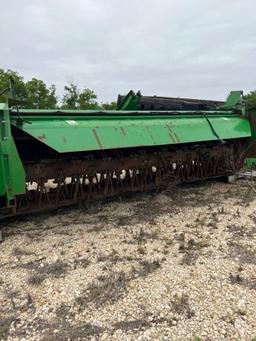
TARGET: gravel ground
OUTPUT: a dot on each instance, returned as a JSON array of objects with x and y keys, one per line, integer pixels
[{"x": 175, "y": 265}]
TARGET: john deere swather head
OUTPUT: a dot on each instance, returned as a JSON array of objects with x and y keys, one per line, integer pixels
[{"x": 54, "y": 158}]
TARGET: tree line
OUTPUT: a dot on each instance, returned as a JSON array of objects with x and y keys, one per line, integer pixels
[{"x": 35, "y": 94}]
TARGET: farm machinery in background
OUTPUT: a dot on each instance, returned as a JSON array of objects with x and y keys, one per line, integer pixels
[
  {"x": 56, "y": 158},
  {"x": 134, "y": 101}
]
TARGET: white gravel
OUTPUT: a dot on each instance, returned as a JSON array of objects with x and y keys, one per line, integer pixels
[{"x": 178, "y": 265}]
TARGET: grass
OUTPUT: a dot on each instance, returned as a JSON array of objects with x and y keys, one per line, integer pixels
[
  {"x": 108, "y": 290},
  {"x": 147, "y": 268},
  {"x": 18, "y": 252},
  {"x": 200, "y": 221},
  {"x": 244, "y": 253},
  {"x": 141, "y": 250},
  {"x": 139, "y": 324},
  {"x": 36, "y": 279},
  {"x": 83, "y": 262},
  {"x": 236, "y": 279},
  {"x": 132, "y": 325},
  {"x": 222, "y": 210},
  {"x": 189, "y": 258},
  {"x": 181, "y": 306},
  {"x": 241, "y": 312},
  {"x": 55, "y": 270},
  {"x": 113, "y": 286},
  {"x": 63, "y": 329},
  {"x": 168, "y": 241},
  {"x": 192, "y": 244},
  {"x": 142, "y": 236},
  {"x": 5, "y": 324},
  {"x": 114, "y": 253},
  {"x": 213, "y": 224},
  {"x": 197, "y": 338},
  {"x": 246, "y": 282}
]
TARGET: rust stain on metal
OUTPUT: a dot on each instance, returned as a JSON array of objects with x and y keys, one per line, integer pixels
[
  {"x": 172, "y": 133},
  {"x": 172, "y": 138},
  {"x": 97, "y": 138},
  {"x": 176, "y": 137},
  {"x": 123, "y": 131},
  {"x": 41, "y": 137},
  {"x": 152, "y": 138}
]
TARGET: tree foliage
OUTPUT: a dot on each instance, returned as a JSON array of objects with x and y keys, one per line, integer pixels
[
  {"x": 75, "y": 99},
  {"x": 35, "y": 94},
  {"x": 39, "y": 95},
  {"x": 109, "y": 106},
  {"x": 71, "y": 97},
  {"x": 251, "y": 100},
  {"x": 87, "y": 100},
  {"x": 20, "y": 88}
]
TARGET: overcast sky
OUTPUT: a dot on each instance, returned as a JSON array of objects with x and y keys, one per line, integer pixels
[{"x": 186, "y": 48}]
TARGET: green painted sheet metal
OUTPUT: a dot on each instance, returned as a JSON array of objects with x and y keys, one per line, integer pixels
[
  {"x": 234, "y": 99},
  {"x": 12, "y": 175},
  {"x": 88, "y": 132}
]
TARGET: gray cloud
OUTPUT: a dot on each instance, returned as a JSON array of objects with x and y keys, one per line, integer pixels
[{"x": 199, "y": 48}]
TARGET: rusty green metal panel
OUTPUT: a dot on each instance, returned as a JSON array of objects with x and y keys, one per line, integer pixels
[
  {"x": 12, "y": 175},
  {"x": 89, "y": 131}
]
